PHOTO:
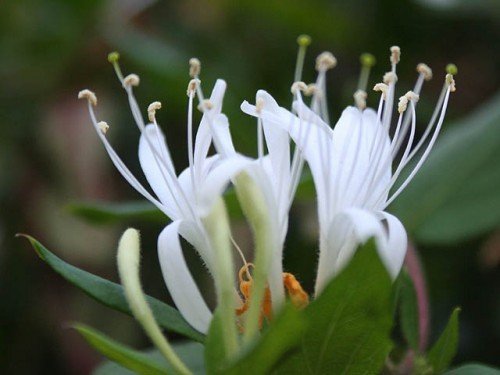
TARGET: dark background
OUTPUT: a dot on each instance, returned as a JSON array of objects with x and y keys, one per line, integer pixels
[{"x": 50, "y": 157}]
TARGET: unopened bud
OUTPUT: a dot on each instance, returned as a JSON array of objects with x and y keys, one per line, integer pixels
[
  {"x": 452, "y": 69},
  {"x": 113, "y": 57}
]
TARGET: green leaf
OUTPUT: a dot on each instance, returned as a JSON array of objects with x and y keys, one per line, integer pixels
[
  {"x": 455, "y": 195},
  {"x": 111, "y": 294},
  {"x": 445, "y": 348},
  {"x": 125, "y": 356},
  {"x": 349, "y": 325},
  {"x": 408, "y": 310},
  {"x": 108, "y": 212},
  {"x": 283, "y": 334},
  {"x": 215, "y": 353},
  {"x": 189, "y": 352},
  {"x": 473, "y": 369}
]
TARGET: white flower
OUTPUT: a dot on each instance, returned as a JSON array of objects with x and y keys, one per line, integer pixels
[
  {"x": 355, "y": 165},
  {"x": 187, "y": 198}
]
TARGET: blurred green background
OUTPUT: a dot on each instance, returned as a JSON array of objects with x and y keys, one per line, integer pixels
[{"x": 50, "y": 156}]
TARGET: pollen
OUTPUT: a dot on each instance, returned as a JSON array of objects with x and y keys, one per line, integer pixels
[
  {"x": 103, "y": 126},
  {"x": 194, "y": 67},
  {"x": 425, "y": 70},
  {"x": 152, "y": 108},
  {"x": 390, "y": 77},
  {"x": 451, "y": 81},
  {"x": 312, "y": 89},
  {"x": 381, "y": 87},
  {"x": 325, "y": 61},
  {"x": 205, "y": 104},
  {"x": 89, "y": 95},
  {"x": 298, "y": 86},
  {"x": 395, "y": 54},
  {"x": 360, "y": 99},
  {"x": 131, "y": 80},
  {"x": 192, "y": 86}
]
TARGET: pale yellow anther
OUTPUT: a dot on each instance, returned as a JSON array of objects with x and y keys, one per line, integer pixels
[
  {"x": 390, "y": 77},
  {"x": 451, "y": 82},
  {"x": 298, "y": 86},
  {"x": 402, "y": 104},
  {"x": 410, "y": 95},
  {"x": 131, "y": 80},
  {"x": 325, "y": 61},
  {"x": 360, "y": 99},
  {"x": 205, "y": 104},
  {"x": 89, "y": 95},
  {"x": 259, "y": 105},
  {"x": 194, "y": 67},
  {"x": 103, "y": 126},
  {"x": 381, "y": 87},
  {"x": 395, "y": 54},
  {"x": 312, "y": 89},
  {"x": 152, "y": 108},
  {"x": 425, "y": 71},
  {"x": 192, "y": 86}
]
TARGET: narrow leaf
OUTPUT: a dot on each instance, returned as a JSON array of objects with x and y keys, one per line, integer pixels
[
  {"x": 445, "y": 348},
  {"x": 111, "y": 294},
  {"x": 119, "y": 353},
  {"x": 108, "y": 212}
]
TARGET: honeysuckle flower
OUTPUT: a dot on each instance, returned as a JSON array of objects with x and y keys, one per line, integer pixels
[
  {"x": 187, "y": 199},
  {"x": 355, "y": 165}
]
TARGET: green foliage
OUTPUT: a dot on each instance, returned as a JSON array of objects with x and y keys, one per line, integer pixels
[
  {"x": 107, "y": 212},
  {"x": 127, "y": 357},
  {"x": 349, "y": 325},
  {"x": 216, "y": 357},
  {"x": 189, "y": 352},
  {"x": 473, "y": 369},
  {"x": 455, "y": 195},
  {"x": 408, "y": 310},
  {"x": 445, "y": 348},
  {"x": 111, "y": 294}
]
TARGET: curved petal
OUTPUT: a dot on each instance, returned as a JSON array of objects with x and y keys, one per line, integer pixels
[
  {"x": 348, "y": 230},
  {"x": 217, "y": 180},
  {"x": 361, "y": 146},
  {"x": 179, "y": 280},
  {"x": 158, "y": 168},
  {"x": 393, "y": 254}
]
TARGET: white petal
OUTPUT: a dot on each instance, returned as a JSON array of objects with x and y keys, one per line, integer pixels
[
  {"x": 224, "y": 143},
  {"x": 355, "y": 136},
  {"x": 179, "y": 280},
  {"x": 203, "y": 135},
  {"x": 217, "y": 180},
  {"x": 393, "y": 254},
  {"x": 349, "y": 229},
  {"x": 155, "y": 170}
]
